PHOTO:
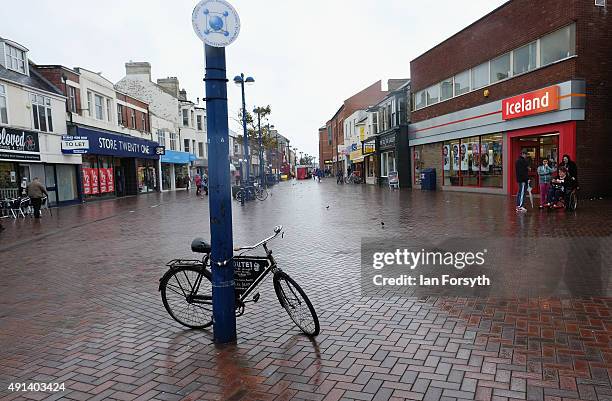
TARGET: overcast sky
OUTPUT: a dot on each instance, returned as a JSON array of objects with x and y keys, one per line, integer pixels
[{"x": 306, "y": 56}]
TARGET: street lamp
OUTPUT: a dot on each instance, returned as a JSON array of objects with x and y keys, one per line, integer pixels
[{"x": 241, "y": 80}]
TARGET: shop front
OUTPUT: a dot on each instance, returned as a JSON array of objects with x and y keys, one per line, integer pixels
[
  {"x": 113, "y": 164},
  {"x": 475, "y": 149},
  {"x": 175, "y": 169},
  {"x": 370, "y": 159}
]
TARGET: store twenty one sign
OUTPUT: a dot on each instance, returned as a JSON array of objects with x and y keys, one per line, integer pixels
[{"x": 527, "y": 104}]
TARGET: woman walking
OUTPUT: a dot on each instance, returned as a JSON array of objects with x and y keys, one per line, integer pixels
[{"x": 544, "y": 175}]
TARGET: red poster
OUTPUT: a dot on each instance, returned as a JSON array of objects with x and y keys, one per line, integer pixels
[
  {"x": 102, "y": 174},
  {"x": 93, "y": 173},
  {"x": 110, "y": 180},
  {"x": 86, "y": 181}
]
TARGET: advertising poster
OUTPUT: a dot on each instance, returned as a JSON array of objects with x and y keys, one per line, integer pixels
[
  {"x": 484, "y": 157},
  {"x": 446, "y": 157},
  {"x": 86, "y": 181},
  {"x": 93, "y": 174},
  {"x": 464, "y": 156},
  {"x": 110, "y": 180},
  {"x": 475, "y": 157},
  {"x": 102, "y": 179},
  {"x": 455, "y": 156}
]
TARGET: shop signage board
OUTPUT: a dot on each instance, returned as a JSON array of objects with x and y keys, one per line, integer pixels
[
  {"x": 20, "y": 145},
  {"x": 369, "y": 146},
  {"x": 536, "y": 102},
  {"x": 387, "y": 141},
  {"x": 106, "y": 143},
  {"x": 246, "y": 270}
]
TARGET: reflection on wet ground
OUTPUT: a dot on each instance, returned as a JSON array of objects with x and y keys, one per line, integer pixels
[{"x": 79, "y": 304}]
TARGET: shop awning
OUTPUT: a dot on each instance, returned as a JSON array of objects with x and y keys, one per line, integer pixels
[{"x": 176, "y": 157}]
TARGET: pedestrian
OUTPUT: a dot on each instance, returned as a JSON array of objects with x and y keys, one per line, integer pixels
[
  {"x": 204, "y": 183},
  {"x": 570, "y": 165},
  {"x": 198, "y": 182},
  {"x": 544, "y": 175},
  {"x": 36, "y": 192},
  {"x": 521, "y": 167},
  {"x": 339, "y": 177}
]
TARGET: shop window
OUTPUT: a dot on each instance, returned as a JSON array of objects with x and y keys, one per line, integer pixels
[
  {"x": 469, "y": 152},
  {"x": 451, "y": 163},
  {"x": 491, "y": 161},
  {"x": 3, "y": 102},
  {"x": 500, "y": 68},
  {"x": 475, "y": 161},
  {"x": 558, "y": 45},
  {"x": 462, "y": 83},
  {"x": 480, "y": 76},
  {"x": 387, "y": 163},
  {"x": 524, "y": 59},
  {"x": 41, "y": 113},
  {"x": 419, "y": 163},
  {"x": 446, "y": 89}
]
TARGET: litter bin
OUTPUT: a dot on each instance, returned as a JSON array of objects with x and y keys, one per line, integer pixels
[{"x": 428, "y": 179}]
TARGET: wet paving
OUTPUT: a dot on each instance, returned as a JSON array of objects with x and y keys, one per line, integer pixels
[{"x": 79, "y": 305}]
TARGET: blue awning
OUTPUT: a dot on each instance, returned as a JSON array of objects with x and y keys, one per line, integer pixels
[{"x": 176, "y": 157}]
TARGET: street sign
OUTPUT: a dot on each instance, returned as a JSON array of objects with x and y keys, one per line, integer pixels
[{"x": 215, "y": 22}]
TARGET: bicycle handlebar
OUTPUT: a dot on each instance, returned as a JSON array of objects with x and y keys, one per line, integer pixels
[{"x": 277, "y": 231}]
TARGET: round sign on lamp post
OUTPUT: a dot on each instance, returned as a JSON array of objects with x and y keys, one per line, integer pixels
[{"x": 217, "y": 24}]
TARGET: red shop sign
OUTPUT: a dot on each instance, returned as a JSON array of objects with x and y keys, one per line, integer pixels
[
  {"x": 102, "y": 174},
  {"x": 536, "y": 102},
  {"x": 110, "y": 180},
  {"x": 86, "y": 181},
  {"x": 93, "y": 173}
]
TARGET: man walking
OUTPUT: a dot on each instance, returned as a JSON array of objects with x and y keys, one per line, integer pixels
[
  {"x": 36, "y": 191},
  {"x": 521, "y": 167}
]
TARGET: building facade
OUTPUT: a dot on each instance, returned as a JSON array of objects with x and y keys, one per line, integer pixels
[
  {"x": 528, "y": 76},
  {"x": 32, "y": 122}
]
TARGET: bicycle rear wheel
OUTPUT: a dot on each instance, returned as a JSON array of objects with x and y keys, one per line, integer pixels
[
  {"x": 179, "y": 287},
  {"x": 296, "y": 303},
  {"x": 261, "y": 194}
]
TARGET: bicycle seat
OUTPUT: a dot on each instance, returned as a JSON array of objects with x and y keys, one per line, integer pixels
[{"x": 200, "y": 246}]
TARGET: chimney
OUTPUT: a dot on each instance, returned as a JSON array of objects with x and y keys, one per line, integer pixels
[
  {"x": 169, "y": 85},
  {"x": 182, "y": 94},
  {"x": 140, "y": 69}
]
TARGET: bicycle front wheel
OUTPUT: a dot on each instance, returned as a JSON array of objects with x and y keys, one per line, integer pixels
[
  {"x": 296, "y": 303},
  {"x": 187, "y": 296},
  {"x": 261, "y": 194}
]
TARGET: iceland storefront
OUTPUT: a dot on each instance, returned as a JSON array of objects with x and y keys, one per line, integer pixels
[
  {"x": 113, "y": 164},
  {"x": 474, "y": 149}
]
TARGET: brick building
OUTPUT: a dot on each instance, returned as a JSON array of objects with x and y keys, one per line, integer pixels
[
  {"x": 532, "y": 76},
  {"x": 332, "y": 139}
]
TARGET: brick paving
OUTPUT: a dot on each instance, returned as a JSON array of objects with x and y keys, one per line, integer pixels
[{"x": 79, "y": 304}]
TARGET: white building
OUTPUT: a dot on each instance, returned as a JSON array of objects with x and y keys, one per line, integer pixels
[
  {"x": 354, "y": 133},
  {"x": 32, "y": 122}
]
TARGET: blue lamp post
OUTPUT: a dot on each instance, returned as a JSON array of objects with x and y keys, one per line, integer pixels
[
  {"x": 241, "y": 80},
  {"x": 217, "y": 24}
]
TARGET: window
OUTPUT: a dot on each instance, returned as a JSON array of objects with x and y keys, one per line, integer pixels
[
  {"x": 387, "y": 163},
  {"x": 329, "y": 135},
  {"x": 201, "y": 149},
  {"x": 480, "y": 76},
  {"x": 192, "y": 119},
  {"x": 193, "y": 147},
  {"x": 72, "y": 101},
  {"x": 500, "y": 68},
  {"x": 420, "y": 100},
  {"x": 433, "y": 94},
  {"x": 133, "y": 118},
  {"x": 143, "y": 121},
  {"x": 99, "y": 101},
  {"x": 558, "y": 45},
  {"x": 15, "y": 59},
  {"x": 462, "y": 83},
  {"x": 186, "y": 145},
  {"x": 120, "y": 119},
  {"x": 524, "y": 59},
  {"x": 172, "y": 141},
  {"x": 185, "y": 118},
  {"x": 89, "y": 109},
  {"x": 109, "y": 113},
  {"x": 446, "y": 89},
  {"x": 475, "y": 161},
  {"x": 161, "y": 137},
  {"x": 199, "y": 119},
  {"x": 3, "y": 102},
  {"x": 41, "y": 113}
]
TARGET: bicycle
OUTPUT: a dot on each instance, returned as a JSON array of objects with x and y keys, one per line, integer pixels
[
  {"x": 353, "y": 179},
  {"x": 186, "y": 288},
  {"x": 252, "y": 192}
]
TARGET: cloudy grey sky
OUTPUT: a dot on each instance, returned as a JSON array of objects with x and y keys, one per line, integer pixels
[{"x": 306, "y": 56}]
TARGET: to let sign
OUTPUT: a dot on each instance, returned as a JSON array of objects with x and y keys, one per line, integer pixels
[{"x": 536, "y": 102}]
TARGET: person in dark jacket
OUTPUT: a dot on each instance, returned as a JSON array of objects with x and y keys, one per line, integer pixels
[
  {"x": 521, "y": 167},
  {"x": 36, "y": 192},
  {"x": 570, "y": 165}
]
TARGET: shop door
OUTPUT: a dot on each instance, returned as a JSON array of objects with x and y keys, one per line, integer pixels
[
  {"x": 119, "y": 181},
  {"x": 537, "y": 148}
]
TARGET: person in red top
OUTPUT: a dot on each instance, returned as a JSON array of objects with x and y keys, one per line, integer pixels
[{"x": 198, "y": 182}]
